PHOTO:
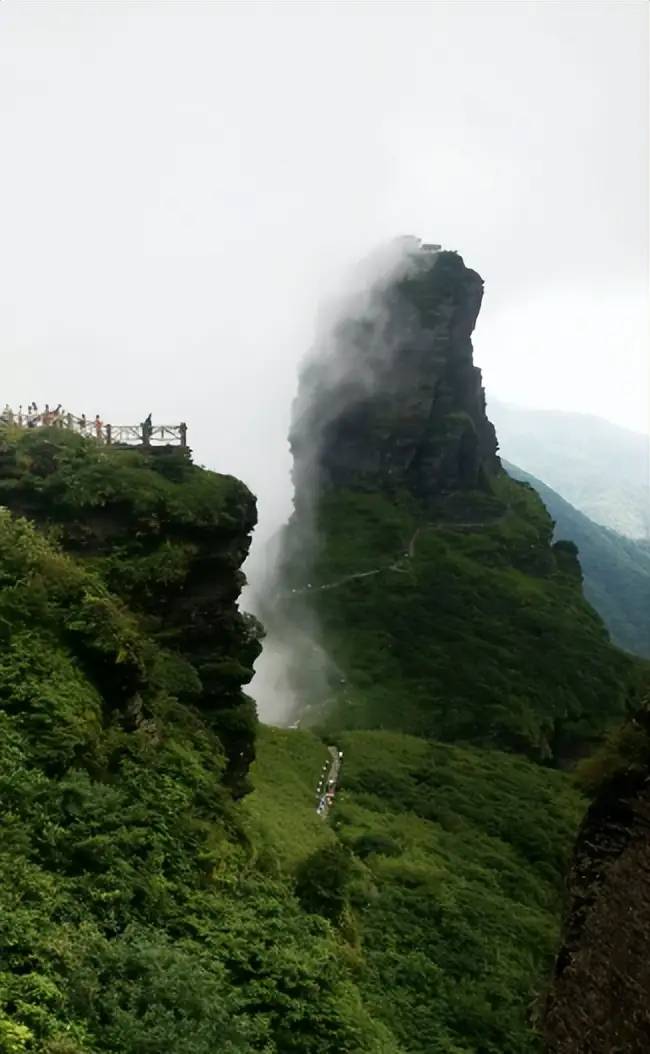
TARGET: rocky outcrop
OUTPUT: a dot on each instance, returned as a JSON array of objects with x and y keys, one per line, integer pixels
[
  {"x": 600, "y": 999},
  {"x": 390, "y": 397},
  {"x": 422, "y": 572},
  {"x": 167, "y": 538}
]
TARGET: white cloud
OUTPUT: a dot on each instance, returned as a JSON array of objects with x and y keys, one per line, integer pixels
[{"x": 183, "y": 183}]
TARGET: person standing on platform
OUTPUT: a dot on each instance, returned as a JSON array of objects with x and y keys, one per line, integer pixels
[{"x": 147, "y": 430}]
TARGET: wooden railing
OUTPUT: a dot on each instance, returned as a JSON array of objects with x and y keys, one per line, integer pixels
[{"x": 144, "y": 434}]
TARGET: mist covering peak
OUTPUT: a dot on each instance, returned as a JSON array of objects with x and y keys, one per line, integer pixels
[
  {"x": 388, "y": 399},
  {"x": 389, "y": 395},
  {"x": 417, "y": 586}
]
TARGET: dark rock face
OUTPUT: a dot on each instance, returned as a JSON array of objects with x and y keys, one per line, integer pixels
[
  {"x": 391, "y": 398},
  {"x": 600, "y": 1000}
]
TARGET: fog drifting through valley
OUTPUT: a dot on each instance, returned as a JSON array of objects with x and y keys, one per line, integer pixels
[{"x": 183, "y": 185}]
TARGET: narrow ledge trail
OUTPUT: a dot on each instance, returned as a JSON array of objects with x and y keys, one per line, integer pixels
[{"x": 398, "y": 565}]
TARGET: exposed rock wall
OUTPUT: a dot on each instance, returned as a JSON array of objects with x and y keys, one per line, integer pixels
[
  {"x": 391, "y": 397},
  {"x": 600, "y": 1000}
]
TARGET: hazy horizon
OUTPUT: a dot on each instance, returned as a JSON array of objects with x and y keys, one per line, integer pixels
[
  {"x": 535, "y": 409},
  {"x": 184, "y": 185}
]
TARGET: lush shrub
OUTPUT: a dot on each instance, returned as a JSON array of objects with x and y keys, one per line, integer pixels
[
  {"x": 134, "y": 913},
  {"x": 324, "y": 879},
  {"x": 367, "y": 844}
]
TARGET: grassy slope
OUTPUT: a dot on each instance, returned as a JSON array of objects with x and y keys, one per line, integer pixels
[
  {"x": 482, "y": 635},
  {"x": 281, "y": 809},
  {"x": 456, "y": 906}
]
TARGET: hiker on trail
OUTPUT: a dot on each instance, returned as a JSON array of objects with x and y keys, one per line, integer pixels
[
  {"x": 20, "y": 415},
  {"x": 98, "y": 426},
  {"x": 82, "y": 424},
  {"x": 147, "y": 430},
  {"x": 46, "y": 418}
]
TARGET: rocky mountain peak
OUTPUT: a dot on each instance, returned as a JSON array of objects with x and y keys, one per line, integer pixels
[{"x": 390, "y": 397}]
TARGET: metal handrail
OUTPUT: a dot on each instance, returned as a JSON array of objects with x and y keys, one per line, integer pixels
[{"x": 144, "y": 434}]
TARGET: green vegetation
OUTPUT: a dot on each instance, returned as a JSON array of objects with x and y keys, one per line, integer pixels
[
  {"x": 474, "y": 629},
  {"x": 421, "y": 920},
  {"x": 460, "y": 622},
  {"x": 461, "y": 926},
  {"x": 616, "y": 569},
  {"x": 431, "y": 583},
  {"x": 168, "y": 539},
  {"x": 447, "y": 882},
  {"x": 144, "y": 909},
  {"x": 282, "y": 806},
  {"x": 136, "y": 916},
  {"x": 624, "y": 752}
]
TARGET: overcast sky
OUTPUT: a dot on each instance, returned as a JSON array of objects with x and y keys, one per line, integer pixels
[{"x": 182, "y": 183}]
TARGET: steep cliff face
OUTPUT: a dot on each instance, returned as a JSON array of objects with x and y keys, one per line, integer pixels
[
  {"x": 165, "y": 537},
  {"x": 431, "y": 576},
  {"x": 391, "y": 397},
  {"x": 598, "y": 1003}
]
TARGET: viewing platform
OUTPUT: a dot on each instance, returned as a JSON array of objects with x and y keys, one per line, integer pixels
[{"x": 143, "y": 434}]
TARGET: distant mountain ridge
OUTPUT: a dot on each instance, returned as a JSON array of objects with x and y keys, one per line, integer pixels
[
  {"x": 601, "y": 469},
  {"x": 616, "y": 569}
]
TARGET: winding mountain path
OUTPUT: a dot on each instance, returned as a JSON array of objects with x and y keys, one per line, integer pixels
[
  {"x": 409, "y": 554},
  {"x": 326, "y": 801}
]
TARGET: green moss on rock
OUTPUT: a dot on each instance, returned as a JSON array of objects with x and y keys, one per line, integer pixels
[{"x": 167, "y": 539}]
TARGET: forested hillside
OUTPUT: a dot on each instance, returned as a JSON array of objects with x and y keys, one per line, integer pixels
[
  {"x": 167, "y": 885},
  {"x": 445, "y": 879},
  {"x": 137, "y": 912},
  {"x": 616, "y": 569}
]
